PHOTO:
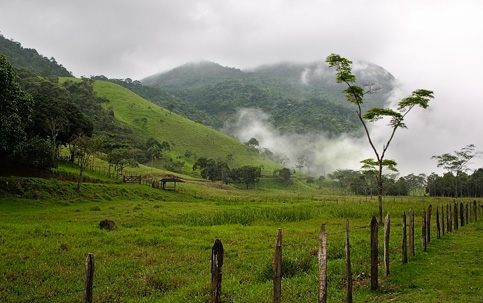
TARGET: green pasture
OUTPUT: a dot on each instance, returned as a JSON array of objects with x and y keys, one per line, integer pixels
[{"x": 161, "y": 249}]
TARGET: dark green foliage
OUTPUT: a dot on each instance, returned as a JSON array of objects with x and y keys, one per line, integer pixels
[
  {"x": 247, "y": 175},
  {"x": 213, "y": 170},
  {"x": 15, "y": 110},
  {"x": 286, "y": 174},
  {"x": 31, "y": 60},
  {"x": 37, "y": 152}
]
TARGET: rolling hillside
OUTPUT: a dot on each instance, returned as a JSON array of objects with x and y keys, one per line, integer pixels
[{"x": 149, "y": 120}]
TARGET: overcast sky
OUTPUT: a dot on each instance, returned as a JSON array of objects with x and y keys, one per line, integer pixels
[{"x": 432, "y": 44}]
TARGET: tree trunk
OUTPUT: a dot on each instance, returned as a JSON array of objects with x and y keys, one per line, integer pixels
[{"x": 379, "y": 198}]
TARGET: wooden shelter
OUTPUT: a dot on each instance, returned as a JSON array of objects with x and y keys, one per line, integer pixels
[{"x": 170, "y": 179}]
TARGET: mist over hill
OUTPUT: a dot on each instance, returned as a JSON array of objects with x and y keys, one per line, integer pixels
[
  {"x": 297, "y": 97},
  {"x": 294, "y": 110}
]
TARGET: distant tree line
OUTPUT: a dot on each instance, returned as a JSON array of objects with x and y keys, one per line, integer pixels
[
  {"x": 214, "y": 170},
  {"x": 364, "y": 183}
]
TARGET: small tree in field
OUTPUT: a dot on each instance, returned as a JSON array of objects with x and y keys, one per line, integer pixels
[
  {"x": 86, "y": 146},
  {"x": 355, "y": 95}
]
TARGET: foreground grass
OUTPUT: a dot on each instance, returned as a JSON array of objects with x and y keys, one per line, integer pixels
[{"x": 160, "y": 251}]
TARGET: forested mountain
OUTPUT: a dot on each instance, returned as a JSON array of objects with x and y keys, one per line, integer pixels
[
  {"x": 30, "y": 59},
  {"x": 301, "y": 98}
]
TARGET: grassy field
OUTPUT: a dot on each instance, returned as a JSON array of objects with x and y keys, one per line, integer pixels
[{"x": 161, "y": 249}]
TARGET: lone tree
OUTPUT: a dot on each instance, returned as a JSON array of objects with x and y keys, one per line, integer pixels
[
  {"x": 355, "y": 95},
  {"x": 457, "y": 163}
]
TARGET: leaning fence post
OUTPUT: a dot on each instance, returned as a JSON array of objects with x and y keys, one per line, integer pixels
[
  {"x": 216, "y": 271},
  {"x": 348, "y": 266},
  {"x": 387, "y": 230},
  {"x": 423, "y": 230},
  {"x": 322, "y": 256},
  {"x": 88, "y": 278},
  {"x": 277, "y": 269},
  {"x": 438, "y": 227},
  {"x": 404, "y": 246},
  {"x": 412, "y": 252},
  {"x": 374, "y": 254}
]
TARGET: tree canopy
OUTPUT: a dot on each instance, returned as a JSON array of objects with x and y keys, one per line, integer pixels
[{"x": 15, "y": 110}]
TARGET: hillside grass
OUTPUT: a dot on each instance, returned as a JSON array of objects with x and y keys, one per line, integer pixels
[
  {"x": 181, "y": 133},
  {"x": 160, "y": 251}
]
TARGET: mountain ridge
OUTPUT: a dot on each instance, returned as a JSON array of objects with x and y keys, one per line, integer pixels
[{"x": 220, "y": 92}]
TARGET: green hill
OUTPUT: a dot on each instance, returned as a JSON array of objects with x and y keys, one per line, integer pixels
[
  {"x": 30, "y": 59},
  {"x": 301, "y": 98},
  {"x": 188, "y": 140}
]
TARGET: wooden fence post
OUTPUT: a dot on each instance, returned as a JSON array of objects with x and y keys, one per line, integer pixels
[
  {"x": 216, "y": 271},
  {"x": 423, "y": 230},
  {"x": 88, "y": 278},
  {"x": 455, "y": 214},
  {"x": 428, "y": 223},
  {"x": 387, "y": 230},
  {"x": 480, "y": 210},
  {"x": 374, "y": 254},
  {"x": 467, "y": 213},
  {"x": 442, "y": 218},
  {"x": 404, "y": 247},
  {"x": 412, "y": 252},
  {"x": 462, "y": 214},
  {"x": 322, "y": 256},
  {"x": 348, "y": 266},
  {"x": 277, "y": 269},
  {"x": 450, "y": 217},
  {"x": 438, "y": 227},
  {"x": 475, "y": 211}
]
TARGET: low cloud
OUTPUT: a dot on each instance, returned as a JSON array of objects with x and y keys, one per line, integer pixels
[
  {"x": 322, "y": 154},
  {"x": 411, "y": 148}
]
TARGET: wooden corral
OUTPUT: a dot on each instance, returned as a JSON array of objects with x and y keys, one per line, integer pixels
[{"x": 131, "y": 179}]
